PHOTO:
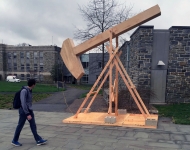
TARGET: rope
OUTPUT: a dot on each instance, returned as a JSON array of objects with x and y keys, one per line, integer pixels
[{"x": 66, "y": 103}]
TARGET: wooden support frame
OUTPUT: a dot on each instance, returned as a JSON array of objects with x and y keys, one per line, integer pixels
[
  {"x": 128, "y": 120},
  {"x": 70, "y": 55}
]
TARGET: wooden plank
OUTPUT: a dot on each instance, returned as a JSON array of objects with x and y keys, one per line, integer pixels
[
  {"x": 116, "y": 81},
  {"x": 119, "y": 29},
  {"x": 97, "y": 118},
  {"x": 110, "y": 73}
]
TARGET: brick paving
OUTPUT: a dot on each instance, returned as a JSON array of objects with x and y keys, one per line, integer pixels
[{"x": 62, "y": 136}]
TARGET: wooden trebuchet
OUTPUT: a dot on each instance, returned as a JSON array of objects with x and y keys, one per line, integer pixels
[{"x": 119, "y": 118}]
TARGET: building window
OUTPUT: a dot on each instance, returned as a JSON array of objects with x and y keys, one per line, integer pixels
[
  {"x": 99, "y": 64},
  {"x": 41, "y": 68},
  {"x": 15, "y": 66},
  {"x": 41, "y": 62},
  {"x": 9, "y": 58},
  {"x": 41, "y": 55},
  {"x": 84, "y": 79},
  {"x": 35, "y": 57},
  {"x": 22, "y": 76},
  {"x": 85, "y": 64},
  {"x": 21, "y": 54},
  {"x": 22, "y": 67},
  {"x": 22, "y": 61},
  {"x": 15, "y": 61},
  {"x": 28, "y": 58},
  {"x": 35, "y": 61},
  {"x": 14, "y": 55},
  {"x": 28, "y": 67},
  {"x": 28, "y": 76},
  {"x": 35, "y": 67}
]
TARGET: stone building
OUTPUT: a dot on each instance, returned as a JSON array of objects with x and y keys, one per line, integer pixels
[
  {"x": 159, "y": 60},
  {"x": 28, "y": 61}
]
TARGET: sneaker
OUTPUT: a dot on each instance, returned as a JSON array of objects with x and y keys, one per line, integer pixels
[
  {"x": 16, "y": 143},
  {"x": 41, "y": 142}
]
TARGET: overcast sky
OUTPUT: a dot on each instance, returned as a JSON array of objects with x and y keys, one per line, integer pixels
[{"x": 37, "y": 21}]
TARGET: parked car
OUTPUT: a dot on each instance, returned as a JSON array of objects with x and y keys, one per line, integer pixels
[{"x": 12, "y": 79}]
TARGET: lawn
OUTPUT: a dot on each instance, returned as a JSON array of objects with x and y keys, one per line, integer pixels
[
  {"x": 8, "y": 89},
  {"x": 13, "y": 87},
  {"x": 178, "y": 112},
  {"x": 7, "y": 99}
]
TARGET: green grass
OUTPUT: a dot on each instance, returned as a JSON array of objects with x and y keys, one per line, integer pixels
[
  {"x": 180, "y": 113},
  {"x": 13, "y": 87},
  {"x": 7, "y": 99},
  {"x": 40, "y": 92}
]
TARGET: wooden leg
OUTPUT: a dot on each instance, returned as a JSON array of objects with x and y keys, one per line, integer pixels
[
  {"x": 116, "y": 91},
  {"x": 110, "y": 88},
  {"x": 110, "y": 75}
]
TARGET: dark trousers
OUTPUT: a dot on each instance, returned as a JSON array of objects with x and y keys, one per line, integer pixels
[{"x": 21, "y": 122}]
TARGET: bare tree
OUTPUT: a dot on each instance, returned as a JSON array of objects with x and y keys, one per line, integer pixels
[
  {"x": 101, "y": 15},
  {"x": 23, "y": 44}
]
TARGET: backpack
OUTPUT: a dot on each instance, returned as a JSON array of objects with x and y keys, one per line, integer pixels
[{"x": 16, "y": 100}]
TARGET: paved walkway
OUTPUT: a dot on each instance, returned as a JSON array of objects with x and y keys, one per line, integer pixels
[
  {"x": 90, "y": 137},
  {"x": 57, "y": 102},
  {"x": 62, "y": 136}
]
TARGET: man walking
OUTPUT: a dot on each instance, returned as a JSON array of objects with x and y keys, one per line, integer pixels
[{"x": 26, "y": 112}]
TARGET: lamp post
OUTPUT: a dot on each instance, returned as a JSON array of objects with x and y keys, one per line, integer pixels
[{"x": 39, "y": 76}]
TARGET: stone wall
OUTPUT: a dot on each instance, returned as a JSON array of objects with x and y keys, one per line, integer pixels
[
  {"x": 141, "y": 47},
  {"x": 124, "y": 59},
  {"x": 136, "y": 58},
  {"x": 178, "y": 71},
  {"x": 178, "y": 77}
]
